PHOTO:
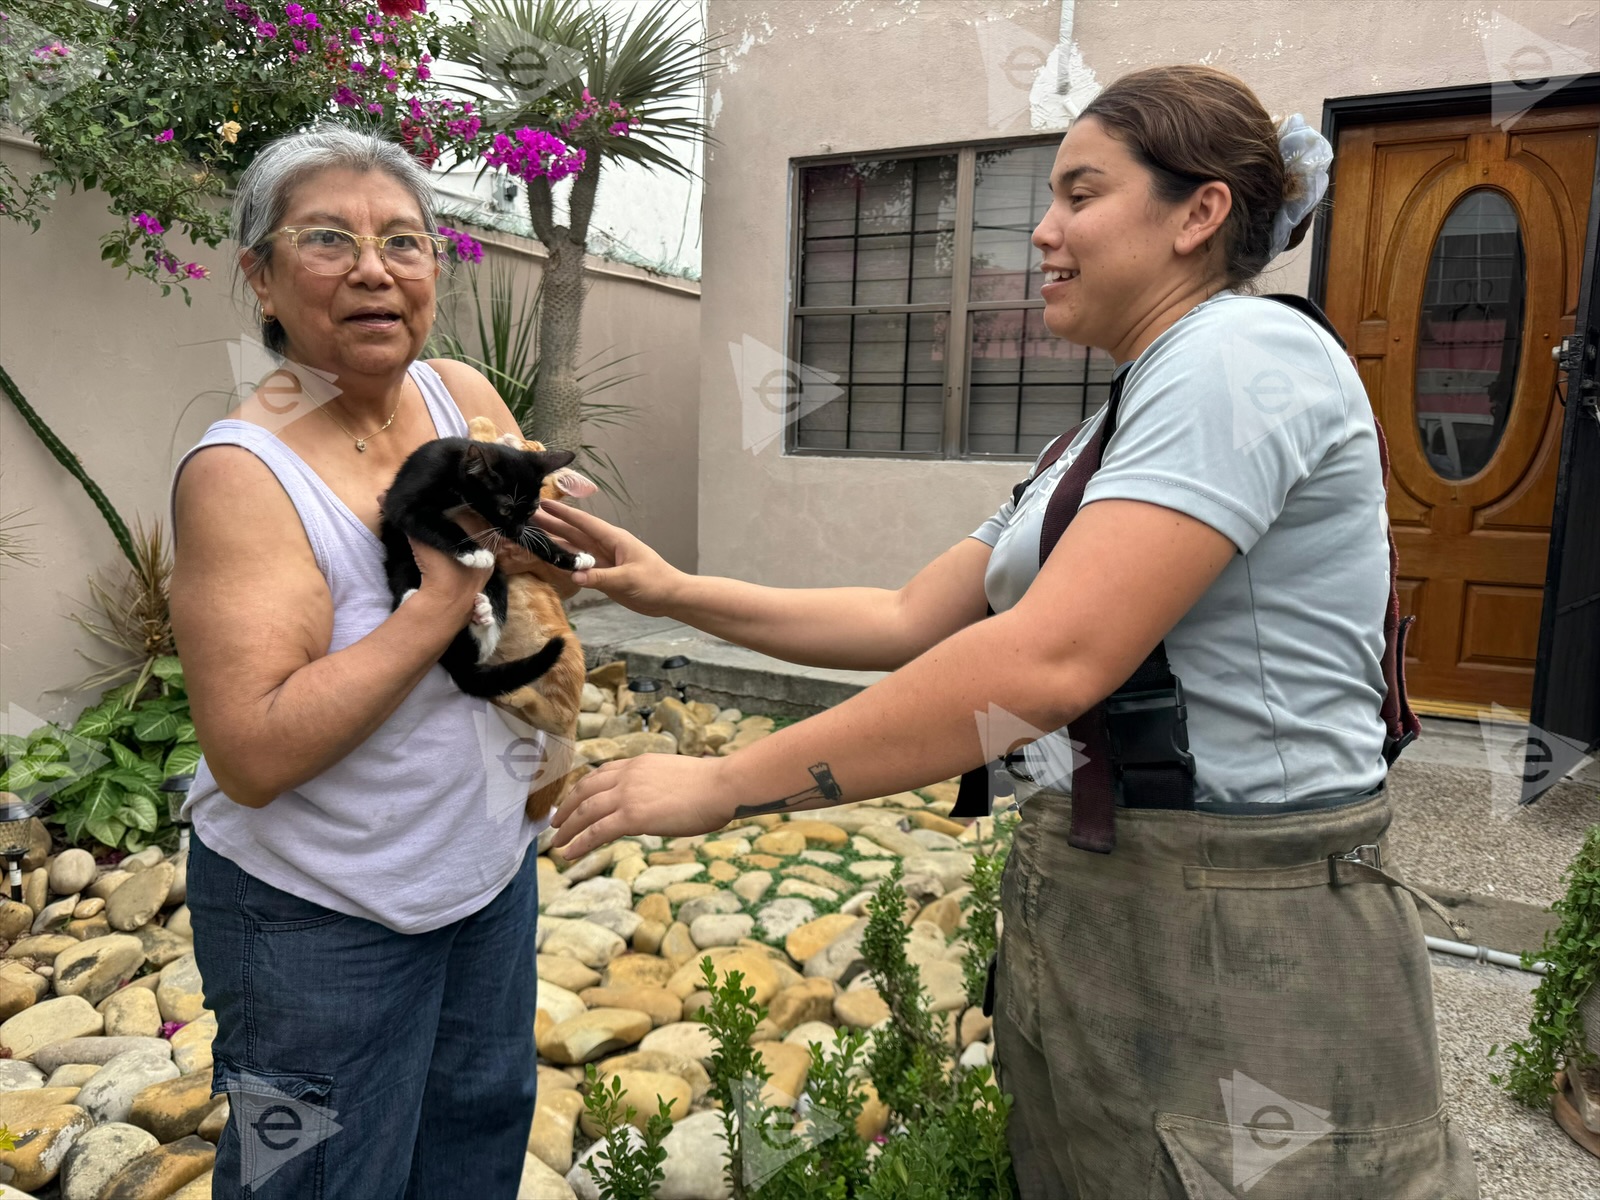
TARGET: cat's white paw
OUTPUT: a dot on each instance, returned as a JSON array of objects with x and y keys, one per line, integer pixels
[
  {"x": 487, "y": 637},
  {"x": 412, "y": 592},
  {"x": 476, "y": 558},
  {"x": 585, "y": 561},
  {"x": 482, "y": 610}
]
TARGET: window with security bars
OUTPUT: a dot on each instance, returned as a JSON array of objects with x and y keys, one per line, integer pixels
[{"x": 918, "y": 330}]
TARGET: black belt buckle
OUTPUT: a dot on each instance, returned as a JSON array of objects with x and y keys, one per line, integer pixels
[{"x": 1149, "y": 729}]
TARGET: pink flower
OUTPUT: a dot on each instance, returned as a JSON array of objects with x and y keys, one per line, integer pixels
[
  {"x": 164, "y": 136},
  {"x": 423, "y": 73},
  {"x": 266, "y": 30},
  {"x": 168, "y": 1028},
  {"x": 386, "y": 70},
  {"x": 345, "y": 98},
  {"x": 400, "y": 8},
  {"x": 195, "y": 271},
  {"x": 299, "y": 45},
  {"x": 465, "y": 248},
  {"x": 356, "y": 36},
  {"x": 533, "y": 153},
  {"x": 146, "y": 224},
  {"x": 359, "y": 68}
]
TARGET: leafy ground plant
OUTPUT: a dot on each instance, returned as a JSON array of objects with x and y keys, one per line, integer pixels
[
  {"x": 1572, "y": 950},
  {"x": 629, "y": 1168}
]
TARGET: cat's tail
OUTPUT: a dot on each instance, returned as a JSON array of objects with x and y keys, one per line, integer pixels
[{"x": 496, "y": 679}]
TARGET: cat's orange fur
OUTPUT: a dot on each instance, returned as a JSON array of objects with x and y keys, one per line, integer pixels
[{"x": 533, "y": 616}]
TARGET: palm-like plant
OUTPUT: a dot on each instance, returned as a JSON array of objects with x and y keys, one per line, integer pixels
[{"x": 533, "y": 60}]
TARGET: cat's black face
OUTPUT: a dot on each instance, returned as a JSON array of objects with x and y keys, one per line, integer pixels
[{"x": 502, "y": 485}]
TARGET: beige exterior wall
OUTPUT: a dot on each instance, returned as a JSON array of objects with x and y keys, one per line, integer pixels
[
  {"x": 130, "y": 381},
  {"x": 809, "y": 77}
]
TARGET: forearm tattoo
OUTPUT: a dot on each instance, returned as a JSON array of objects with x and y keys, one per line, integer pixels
[{"x": 824, "y": 789}]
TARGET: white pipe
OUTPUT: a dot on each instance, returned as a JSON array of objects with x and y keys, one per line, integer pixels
[{"x": 1483, "y": 954}]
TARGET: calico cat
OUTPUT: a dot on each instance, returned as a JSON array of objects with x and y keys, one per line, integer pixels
[
  {"x": 500, "y": 484},
  {"x": 535, "y": 618}
]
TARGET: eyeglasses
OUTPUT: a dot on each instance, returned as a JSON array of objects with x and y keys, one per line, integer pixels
[{"x": 324, "y": 251}]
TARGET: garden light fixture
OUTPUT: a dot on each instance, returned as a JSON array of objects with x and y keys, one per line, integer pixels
[{"x": 15, "y": 813}]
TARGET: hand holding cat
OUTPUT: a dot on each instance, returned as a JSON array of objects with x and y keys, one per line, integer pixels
[
  {"x": 626, "y": 569},
  {"x": 667, "y": 794},
  {"x": 447, "y": 580}
]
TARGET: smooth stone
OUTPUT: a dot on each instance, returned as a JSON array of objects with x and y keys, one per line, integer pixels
[
  {"x": 540, "y": 1182},
  {"x": 92, "y": 907},
  {"x": 109, "y": 1095},
  {"x": 173, "y": 1108},
  {"x": 806, "y": 890},
  {"x": 596, "y": 862},
  {"x": 719, "y": 903},
  {"x": 36, "y": 889},
  {"x": 717, "y": 734},
  {"x": 623, "y": 922},
  {"x": 135, "y": 902},
  {"x": 630, "y": 868},
  {"x": 870, "y": 849},
  {"x": 86, "y": 928},
  {"x": 863, "y": 1008},
  {"x": 811, "y": 1000},
  {"x": 892, "y": 838},
  {"x": 162, "y": 946},
  {"x": 780, "y": 918},
  {"x": 162, "y": 1171},
  {"x": 677, "y": 947},
  {"x": 47, "y": 1023},
  {"x": 637, "y": 970},
  {"x": 950, "y": 866},
  {"x": 841, "y": 959},
  {"x": 823, "y": 858},
  {"x": 191, "y": 1045},
  {"x": 721, "y": 929},
  {"x": 555, "y": 1117},
  {"x": 566, "y": 973},
  {"x": 674, "y": 717},
  {"x": 689, "y": 889},
  {"x": 697, "y": 1150},
  {"x": 653, "y": 906},
  {"x": 643, "y": 1090},
  {"x": 732, "y": 847},
  {"x": 811, "y": 1033},
  {"x": 560, "y": 1004},
  {"x": 806, "y": 940},
  {"x": 592, "y": 945},
  {"x": 44, "y": 1140},
  {"x": 97, "y": 1050},
  {"x": 722, "y": 872},
  {"x": 946, "y": 986},
  {"x": 109, "y": 882},
  {"x": 654, "y": 879},
  {"x": 975, "y": 1027},
  {"x": 98, "y": 1154},
  {"x": 976, "y": 1055},
  {"x": 71, "y": 871},
  {"x": 872, "y": 868},
  {"x": 591, "y": 698},
  {"x": 94, "y": 969},
  {"x": 213, "y": 1123},
  {"x": 583, "y": 1184},
  {"x": 812, "y": 873},
  {"x": 54, "y": 915},
  {"x": 592, "y": 895},
  {"x": 19, "y": 1076},
  {"x": 16, "y": 919},
  {"x": 180, "y": 993},
  {"x": 150, "y": 856},
  {"x": 782, "y": 842},
  {"x": 662, "y": 1006},
  {"x": 70, "y": 1075},
  {"x": 752, "y": 885},
  {"x": 648, "y": 936},
  {"x": 17, "y": 994},
  {"x": 787, "y": 1066},
  {"x": 756, "y": 971},
  {"x": 178, "y": 923},
  {"x": 611, "y": 675},
  {"x": 593, "y": 1034},
  {"x": 685, "y": 1039},
  {"x": 39, "y": 844},
  {"x": 179, "y": 891},
  {"x": 687, "y": 1069},
  {"x": 615, "y": 726}
]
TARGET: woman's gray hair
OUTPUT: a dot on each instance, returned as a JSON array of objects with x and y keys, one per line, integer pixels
[{"x": 263, "y": 193}]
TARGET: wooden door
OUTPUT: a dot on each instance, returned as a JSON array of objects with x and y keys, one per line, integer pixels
[{"x": 1454, "y": 258}]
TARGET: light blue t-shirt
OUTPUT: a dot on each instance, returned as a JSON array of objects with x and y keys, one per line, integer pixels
[{"x": 1249, "y": 417}]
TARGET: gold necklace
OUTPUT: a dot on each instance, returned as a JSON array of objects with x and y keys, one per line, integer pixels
[{"x": 361, "y": 442}]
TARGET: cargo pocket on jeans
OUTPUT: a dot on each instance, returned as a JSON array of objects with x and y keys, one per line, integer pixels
[
  {"x": 1287, "y": 1152},
  {"x": 283, "y": 1120}
]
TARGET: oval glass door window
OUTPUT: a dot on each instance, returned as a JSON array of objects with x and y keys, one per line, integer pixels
[{"x": 1470, "y": 334}]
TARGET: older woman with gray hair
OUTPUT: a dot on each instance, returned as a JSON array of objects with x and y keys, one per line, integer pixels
[{"x": 364, "y": 902}]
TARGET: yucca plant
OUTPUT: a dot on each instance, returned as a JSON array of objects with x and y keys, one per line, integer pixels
[
  {"x": 131, "y": 614},
  {"x": 537, "y": 63},
  {"x": 502, "y": 341}
]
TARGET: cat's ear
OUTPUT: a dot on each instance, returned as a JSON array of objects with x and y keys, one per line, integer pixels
[
  {"x": 476, "y": 462},
  {"x": 551, "y": 461},
  {"x": 570, "y": 483}
]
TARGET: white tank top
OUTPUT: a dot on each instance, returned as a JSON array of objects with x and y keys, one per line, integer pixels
[{"x": 424, "y": 822}]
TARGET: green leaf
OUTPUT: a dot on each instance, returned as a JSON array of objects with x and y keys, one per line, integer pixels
[
  {"x": 97, "y": 722},
  {"x": 183, "y": 760},
  {"x": 23, "y": 773},
  {"x": 185, "y": 732},
  {"x": 12, "y": 745},
  {"x": 155, "y": 724},
  {"x": 126, "y": 758},
  {"x": 141, "y": 813},
  {"x": 106, "y": 829},
  {"x": 167, "y": 668}
]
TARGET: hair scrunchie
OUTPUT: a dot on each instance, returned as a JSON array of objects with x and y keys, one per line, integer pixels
[{"x": 1307, "y": 155}]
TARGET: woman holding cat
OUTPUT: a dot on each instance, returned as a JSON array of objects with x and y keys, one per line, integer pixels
[
  {"x": 363, "y": 900},
  {"x": 1224, "y": 966}
]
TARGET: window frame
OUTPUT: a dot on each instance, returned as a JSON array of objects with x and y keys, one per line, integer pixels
[{"x": 960, "y": 307}]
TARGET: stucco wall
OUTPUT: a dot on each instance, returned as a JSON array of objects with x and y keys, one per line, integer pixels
[
  {"x": 809, "y": 77},
  {"x": 130, "y": 381}
]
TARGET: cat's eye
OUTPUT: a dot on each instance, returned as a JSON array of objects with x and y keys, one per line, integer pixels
[{"x": 505, "y": 508}]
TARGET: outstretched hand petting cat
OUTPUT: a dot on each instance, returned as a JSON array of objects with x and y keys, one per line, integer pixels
[{"x": 626, "y": 570}]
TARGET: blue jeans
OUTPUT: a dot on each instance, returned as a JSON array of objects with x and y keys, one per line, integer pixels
[{"x": 360, "y": 1062}]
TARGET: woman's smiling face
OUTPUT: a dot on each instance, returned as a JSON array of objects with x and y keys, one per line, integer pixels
[
  {"x": 1112, "y": 253},
  {"x": 369, "y": 322}
]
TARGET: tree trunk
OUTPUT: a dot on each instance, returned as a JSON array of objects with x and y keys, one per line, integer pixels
[{"x": 557, "y": 416}]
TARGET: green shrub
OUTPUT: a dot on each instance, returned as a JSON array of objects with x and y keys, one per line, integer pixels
[{"x": 628, "y": 1168}]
